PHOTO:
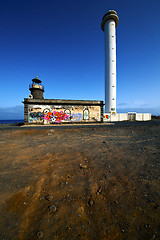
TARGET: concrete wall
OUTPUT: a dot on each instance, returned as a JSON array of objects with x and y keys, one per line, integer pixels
[
  {"x": 146, "y": 116},
  {"x": 114, "y": 117},
  {"x": 122, "y": 116},
  {"x": 143, "y": 116},
  {"x": 108, "y": 117},
  {"x": 139, "y": 116},
  {"x": 46, "y": 114}
]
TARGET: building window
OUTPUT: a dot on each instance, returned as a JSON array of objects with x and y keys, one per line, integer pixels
[
  {"x": 112, "y": 98},
  {"x": 112, "y": 60}
]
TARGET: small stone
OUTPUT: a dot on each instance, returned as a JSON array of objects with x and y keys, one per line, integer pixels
[
  {"x": 147, "y": 226},
  {"x": 49, "y": 197},
  {"x": 83, "y": 166},
  {"x": 39, "y": 234},
  {"x": 91, "y": 202},
  {"x": 52, "y": 208},
  {"x": 156, "y": 206},
  {"x": 99, "y": 190}
]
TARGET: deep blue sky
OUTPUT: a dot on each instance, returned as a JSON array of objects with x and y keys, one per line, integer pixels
[{"x": 62, "y": 42}]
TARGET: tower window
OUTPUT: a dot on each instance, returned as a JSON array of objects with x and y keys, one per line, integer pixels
[
  {"x": 112, "y": 73},
  {"x": 112, "y": 60},
  {"x": 112, "y": 98},
  {"x": 112, "y": 48}
]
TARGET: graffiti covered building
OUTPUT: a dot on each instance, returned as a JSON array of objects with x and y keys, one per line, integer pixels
[{"x": 38, "y": 110}]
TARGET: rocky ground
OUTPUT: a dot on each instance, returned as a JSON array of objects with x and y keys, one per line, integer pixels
[{"x": 80, "y": 182}]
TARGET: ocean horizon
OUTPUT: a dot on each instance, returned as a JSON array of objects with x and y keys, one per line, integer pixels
[{"x": 11, "y": 121}]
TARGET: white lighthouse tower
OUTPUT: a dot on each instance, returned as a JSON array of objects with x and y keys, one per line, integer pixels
[{"x": 108, "y": 25}]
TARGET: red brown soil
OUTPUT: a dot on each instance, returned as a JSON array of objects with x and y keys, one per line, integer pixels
[{"x": 96, "y": 182}]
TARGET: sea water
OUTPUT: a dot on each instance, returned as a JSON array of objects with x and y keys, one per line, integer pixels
[{"x": 11, "y": 121}]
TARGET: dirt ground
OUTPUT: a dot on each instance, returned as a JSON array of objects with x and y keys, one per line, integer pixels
[{"x": 80, "y": 182}]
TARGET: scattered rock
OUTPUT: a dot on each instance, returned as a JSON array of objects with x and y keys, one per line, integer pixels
[
  {"x": 39, "y": 234},
  {"x": 90, "y": 202},
  {"x": 83, "y": 166},
  {"x": 147, "y": 226},
  {"x": 49, "y": 197},
  {"x": 99, "y": 190},
  {"x": 53, "y": 208},
  {"x": 156, "y": 206}
]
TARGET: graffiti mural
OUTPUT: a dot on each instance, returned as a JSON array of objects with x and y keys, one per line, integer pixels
[
  {"x": 106, "y": 117},
  {"x": 63, "y": 113},
  {"x": 77, "y": 117},
  {"x": 86, "y": 114},
  {"x": 35, "y": 116},
  {"x": 54, "y": 116}
]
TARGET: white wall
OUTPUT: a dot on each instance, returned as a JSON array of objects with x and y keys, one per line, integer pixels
[
  {"x": 143, "y": 116},
  {"x": 139, "y": 116},
  {"x": 146, "y": 116},
  {"x": 122, "y": 116},
  {"x": 114, "y": 117},
  {"x": 106, "y": 117}
]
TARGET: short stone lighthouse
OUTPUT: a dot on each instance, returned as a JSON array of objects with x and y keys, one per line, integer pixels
[
  {"x": 108, "y": 25},
  {"x": 36, "y": 89}
]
